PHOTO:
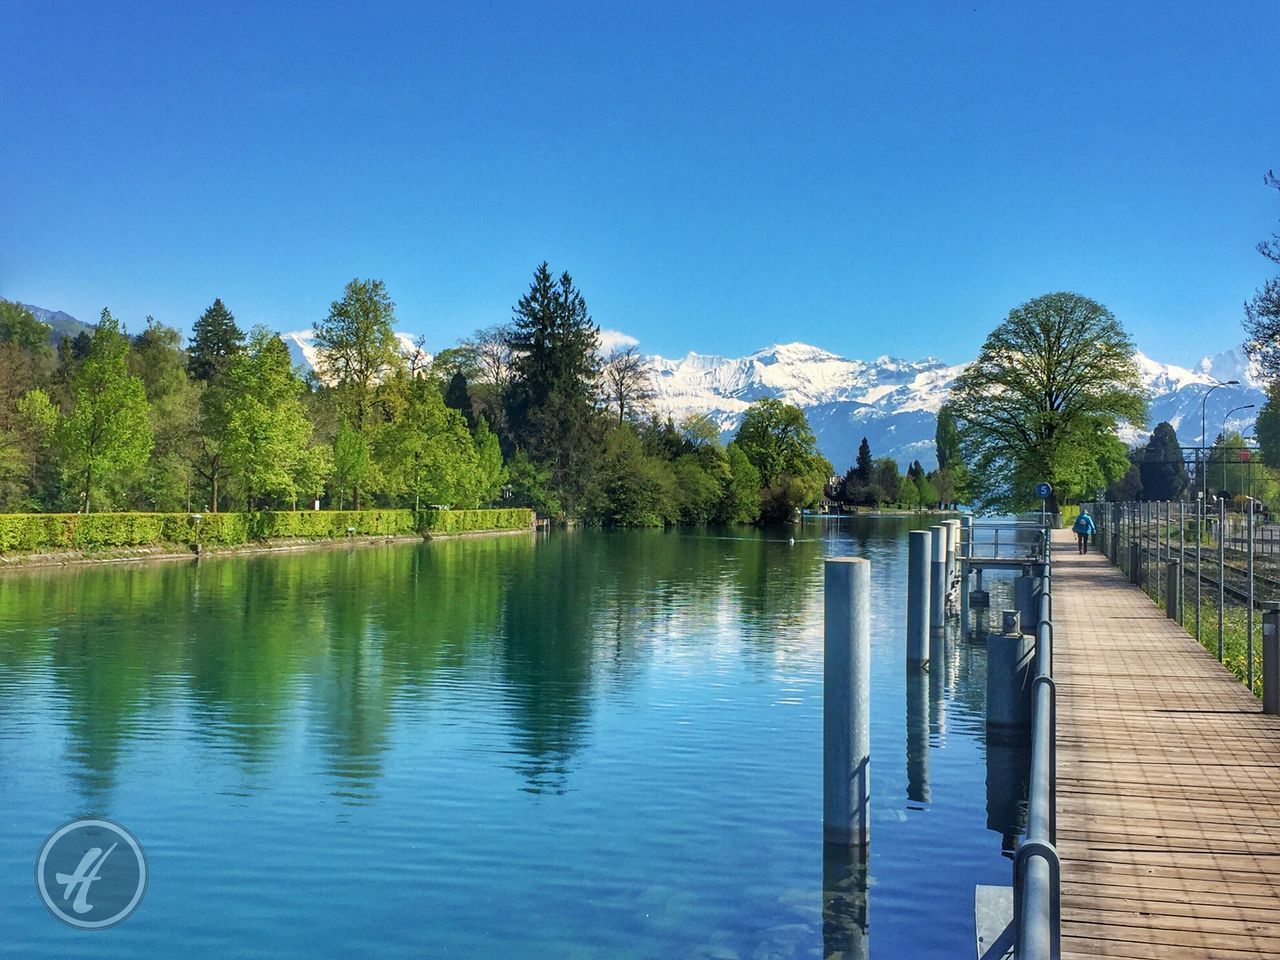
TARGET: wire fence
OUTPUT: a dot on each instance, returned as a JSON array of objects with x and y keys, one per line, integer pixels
[{"x": 1211, "y": 564}]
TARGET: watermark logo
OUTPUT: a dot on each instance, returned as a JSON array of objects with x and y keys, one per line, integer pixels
[{"x": 91, "y": 873}]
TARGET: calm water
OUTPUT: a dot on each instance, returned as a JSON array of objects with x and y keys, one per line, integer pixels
[{"x": 587, "y": 745}]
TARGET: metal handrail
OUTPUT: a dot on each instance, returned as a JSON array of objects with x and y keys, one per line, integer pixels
[{"x": 1036, "y": 867}]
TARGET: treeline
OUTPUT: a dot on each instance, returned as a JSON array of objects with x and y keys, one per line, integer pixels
[
  {"x": 530, "y": 413},
  {"x": 1160, "y": 470},
  {"x": 878, "y": 482}
]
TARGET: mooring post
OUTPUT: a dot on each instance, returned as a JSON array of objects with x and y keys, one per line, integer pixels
[
  {"x": 1027, "y": 599},
  {"x": 846, "y": 701},
  {"x": 918, "y": 587},
  {"x": 938, "y": 578},
  {"x": 1173, "y": 579},
  {"x": 1010, "y": 656},
  {"x": 1271, "y": 657},
  {"x": 953, "y": 552}
]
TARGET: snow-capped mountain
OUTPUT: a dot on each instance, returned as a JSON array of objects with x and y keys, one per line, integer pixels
[
  {"x": 305, "y": 353},
  {"x": 894, "y": 402}
]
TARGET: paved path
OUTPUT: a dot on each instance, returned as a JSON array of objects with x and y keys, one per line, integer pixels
[{"x": 1168, "y": 783}]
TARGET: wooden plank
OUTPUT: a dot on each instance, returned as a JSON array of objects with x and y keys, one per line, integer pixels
[{"x": 1168, "y": 783}]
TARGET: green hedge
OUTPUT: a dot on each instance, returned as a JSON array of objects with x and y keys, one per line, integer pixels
[
  {"x": 45, "y": 532},
  {"x": 468, "y": 521}
]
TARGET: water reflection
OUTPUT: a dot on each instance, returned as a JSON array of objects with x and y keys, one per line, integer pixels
[
  {"x": 844, "y": 903},
  {"x": 918, "y": 730}
]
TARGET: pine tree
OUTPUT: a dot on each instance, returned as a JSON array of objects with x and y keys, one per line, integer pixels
[
  {"x": 457, "y": 397},
  {"x": 215, "y": 342},
  {"x": 550, "y": 403},
  {"x": 864, "y": 464},
  {"x": 1163, "y": 471}
]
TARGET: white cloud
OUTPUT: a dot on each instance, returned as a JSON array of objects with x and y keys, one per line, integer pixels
[{"x": 611, "y": 340}]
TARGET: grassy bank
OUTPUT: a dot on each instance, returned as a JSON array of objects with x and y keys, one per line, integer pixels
[
  {"x": 24, "y": 533},
  {"x": 1235, "y": 637}
]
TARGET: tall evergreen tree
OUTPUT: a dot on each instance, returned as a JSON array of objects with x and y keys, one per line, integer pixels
[
  {"x": 215, "y": 341},
  {"x": 864, "y": 465},
  {"x": 550, "y": 403},
  {"x": 1163, "y": 472},
  {"x": 457, "y": 397}
]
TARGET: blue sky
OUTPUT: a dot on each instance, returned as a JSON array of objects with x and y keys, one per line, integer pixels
[{"x": 871, "y": 178}]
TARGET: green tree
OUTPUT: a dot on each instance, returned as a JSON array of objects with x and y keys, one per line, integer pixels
[
  {"x": 157, "y": 359},
  {"x": 926, "y": 493},
  {"x": 1043, "y": 401},
  {"x": 20, "y": 444},
  {"x": 1262, "y": 311},
  {"x": 1267, "y": 426},
  {"x": 267, "y": 427},
  {"x": 550, "y": 401},
  {"x": 863, "y": 465},
  {"x": 631, "y": 488},
  {"x": 458, "y": 398},
  {"x": 357, "y": 349},
  {"x": 352, "y": 463},
  {"x": 215, "y": 341},
  {"x": 18, "y": 325},
  {"x": 1163, "y": 471},
  {"x": 886, "y": 481},
  {"x": 741, "y": 500},
  {"x": 530, "y": 485},
  {"x": 778, "y": 441},
  {"x": 946, "y": 439},
  {"x": 107, "y": 433},
  {"x": 490, "y": 472}
]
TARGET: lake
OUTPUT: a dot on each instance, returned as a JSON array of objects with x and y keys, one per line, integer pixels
[{"x": 587, "y": 744}]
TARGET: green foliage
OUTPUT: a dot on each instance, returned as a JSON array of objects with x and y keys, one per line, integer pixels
[
  {"x": 19, "y": 326},
  {"x": 631, "y": 488},
  {"x": 1049, "y": 388},
  {"x": 1267, "y": 427},
  {"x": 886, "y": 481},
  {"x": 49, "y": 532},
  {"x": 1262, "y": 311},
  {"x": 215, "y": 341},
  {"x": 741, "y": 500},
  {"x": 778, "y": 441},
  {"x": 267, "y": 429},
  {"x": 357, "y": 348},
  {"x": 174, "y": 399},
  {"x": 530, "y": 485},
  {"x": 550, "y": 402},
  {"x": 352, "y": 463},
  {"x": 108, "y": 433},
  {"x": 946, "y": 439},
  {"x": 1163, "y": 472}
]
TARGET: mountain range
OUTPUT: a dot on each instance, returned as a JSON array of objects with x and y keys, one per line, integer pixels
[{"x": 891, "y": 401}]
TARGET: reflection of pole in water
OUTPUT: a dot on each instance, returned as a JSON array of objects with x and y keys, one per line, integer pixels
[
  {"x": 1008, "y": 772},
  {"x": 942, "y": 671},
  {"x": 844, "y": 902},
  {"x": 918, "y": 734}
]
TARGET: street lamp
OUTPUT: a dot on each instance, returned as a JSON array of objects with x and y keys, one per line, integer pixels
[
  {"x": 1247, "y": 406},
  {"x": 1200, "y": 480}
]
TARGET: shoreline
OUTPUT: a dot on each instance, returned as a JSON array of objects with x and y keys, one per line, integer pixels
[{"x": 169, "y": 552}]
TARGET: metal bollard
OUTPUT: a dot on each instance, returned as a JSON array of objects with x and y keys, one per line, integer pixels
[
  {"x": 1172, "y": 581},
  {"x": 1271, "y": 657},
  {"x": 918, "y": 588},
  {"x": 846, "y": 693},
  {"x": 1010, "y": 659},
  {"x": 1135, "y": 563},
  {"x": 938, "y": 578}
]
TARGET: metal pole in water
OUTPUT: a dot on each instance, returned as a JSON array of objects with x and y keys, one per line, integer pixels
[
  {"x": 938, "y": 578},
  {"x": 846, "y": 701},
  {"x": 918, "y": 617}
]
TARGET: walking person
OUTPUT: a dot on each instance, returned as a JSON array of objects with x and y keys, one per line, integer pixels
[{"x": 1084, "y": 529}]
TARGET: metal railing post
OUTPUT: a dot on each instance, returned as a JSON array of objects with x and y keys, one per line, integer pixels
[{"x": 1222, "y": 566}]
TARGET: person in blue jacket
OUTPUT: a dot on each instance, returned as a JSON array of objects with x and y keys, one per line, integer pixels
[{"x": 1084, "y": 529}]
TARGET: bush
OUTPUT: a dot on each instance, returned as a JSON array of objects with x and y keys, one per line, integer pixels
[
  {"x": 1069, "y": 513},
  {"x": 48, "y": 532}
]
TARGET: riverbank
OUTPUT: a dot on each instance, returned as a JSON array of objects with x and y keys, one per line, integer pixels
[{"x": 44, "y": 540}]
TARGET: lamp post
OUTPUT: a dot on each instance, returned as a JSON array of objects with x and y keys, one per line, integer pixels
[
  {"x": 1247, "y": 406},
  {"x": 1203, "y": 402}
]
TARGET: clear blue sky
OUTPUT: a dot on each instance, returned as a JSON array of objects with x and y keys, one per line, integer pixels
[{"x": 872, "y": 178}]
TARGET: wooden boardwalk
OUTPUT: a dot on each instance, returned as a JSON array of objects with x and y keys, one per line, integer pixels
[{"x": 1168, "y": 782}]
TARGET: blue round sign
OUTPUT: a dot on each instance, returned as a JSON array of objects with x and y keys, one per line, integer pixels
[{"x": 1043, "y": 490}]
